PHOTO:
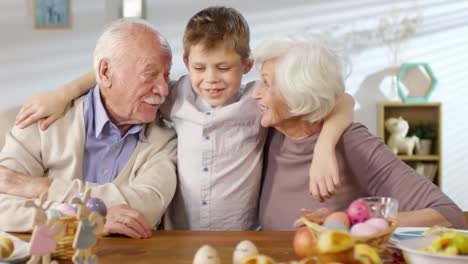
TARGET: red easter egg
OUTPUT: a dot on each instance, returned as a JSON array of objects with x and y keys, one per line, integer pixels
[{"x": 358, "y": 211}]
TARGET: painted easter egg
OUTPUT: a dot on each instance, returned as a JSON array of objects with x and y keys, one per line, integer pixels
[
  {"x": 358, "y": 211},
  {"x": 335, "y": 225},
  {"x": 53, "y": 213},
  {"x": 379, "y": 223},
  {"x": 338, "y": 216},
  {"x": 66, "y": 209},
  {"x": 95, "y": 204},
  {"x": 363, "y": 229},
  {"x": 6, "y": 246}
]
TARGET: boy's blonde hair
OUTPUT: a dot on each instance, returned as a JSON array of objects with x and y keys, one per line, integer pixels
[{"x": 218, "y": 25}]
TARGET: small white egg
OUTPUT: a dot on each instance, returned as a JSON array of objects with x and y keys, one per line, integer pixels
[
  {"x": 244, "y": 250},
  {"x": 206, "y": 255}
]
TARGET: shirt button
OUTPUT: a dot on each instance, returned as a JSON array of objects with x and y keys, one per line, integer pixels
[
  {"x": 207, "y": 137},
  {"x": 204, "y": 202},
  {"x": 208, "y": 113},
  {"x": 106, "y": 172},
  {"x": 205, "y": 169}
]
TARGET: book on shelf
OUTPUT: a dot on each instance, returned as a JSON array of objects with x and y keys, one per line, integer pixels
[{"x": 427, "y": 170}]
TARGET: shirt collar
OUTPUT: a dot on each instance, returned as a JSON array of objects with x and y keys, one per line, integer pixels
[{"x": 101, "y": 118}]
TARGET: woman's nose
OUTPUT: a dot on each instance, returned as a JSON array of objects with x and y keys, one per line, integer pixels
[{"x": 257, "y": 91}]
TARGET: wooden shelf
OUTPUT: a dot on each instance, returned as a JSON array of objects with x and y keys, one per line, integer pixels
[
  {"x": 416, "y": 113},
  {"x": 419, "y": 157}
]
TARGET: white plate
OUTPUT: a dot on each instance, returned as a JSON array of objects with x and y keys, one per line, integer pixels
[
  {"x": 413, "y": 255},
  {"x": 402, "y": 233},
  {"x": 20, "y": 253}
]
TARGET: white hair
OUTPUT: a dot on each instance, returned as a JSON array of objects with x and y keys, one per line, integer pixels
[
  {"x": 309, "y": 73},
  {"x": 114, "y": 41}
]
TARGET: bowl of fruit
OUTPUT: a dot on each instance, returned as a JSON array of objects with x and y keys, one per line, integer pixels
[
  {"x": 369, "y": 220},
  {"x": 448, "y": 247}
]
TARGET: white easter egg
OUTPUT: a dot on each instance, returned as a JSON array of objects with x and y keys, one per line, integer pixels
[
  {"x": 244, "y": 250},
  {"x": 206, "y": 255}
]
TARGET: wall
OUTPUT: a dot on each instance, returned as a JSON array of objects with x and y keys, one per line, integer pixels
[{"x": 37, "y": 60}]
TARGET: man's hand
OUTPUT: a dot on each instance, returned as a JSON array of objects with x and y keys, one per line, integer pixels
[
  {"x": 324, "y": 175},
  {"x": 17, "y": 184},
  {"x": 121, "y": 219}
]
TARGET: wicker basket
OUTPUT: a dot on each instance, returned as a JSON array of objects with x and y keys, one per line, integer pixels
[
  {"x": 378, "y": 241},
  {"x": 65, "y": 250}
]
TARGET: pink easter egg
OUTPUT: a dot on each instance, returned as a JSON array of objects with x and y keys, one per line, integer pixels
[
  {"x": 363, "y": 229},
  {"x": 66, "y": 209},
  {"x": 358, "y": 211},
  {"x": 379, "y": 223}
]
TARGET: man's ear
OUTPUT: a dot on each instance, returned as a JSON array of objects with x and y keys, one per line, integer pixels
[
  {"x": 104, "y": 73},
  {"x": 186, "y": 62},
  {"x": 248, "y": 64}
]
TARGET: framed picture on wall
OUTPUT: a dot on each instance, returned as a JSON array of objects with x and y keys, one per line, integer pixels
[{"x": 52, "y": 14}]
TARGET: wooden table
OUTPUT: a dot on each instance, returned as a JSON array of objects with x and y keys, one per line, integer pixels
[{"x": 179, "y": 247}]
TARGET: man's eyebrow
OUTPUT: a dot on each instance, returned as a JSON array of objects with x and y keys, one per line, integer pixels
[{"x": 151, "y": 67}]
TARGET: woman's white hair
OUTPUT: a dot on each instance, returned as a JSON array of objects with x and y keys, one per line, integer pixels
[
  {"x": 114, "y": 40},
  {"x": 309, "y": 73}
]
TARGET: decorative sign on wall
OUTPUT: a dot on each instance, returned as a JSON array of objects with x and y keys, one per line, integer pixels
[
  {"x": 416, "y": 82},
  {"x": 52, "y": 14}
]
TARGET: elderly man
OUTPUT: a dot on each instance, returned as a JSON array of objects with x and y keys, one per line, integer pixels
[
  {"x": 106, "y": 138},
  {"x": 301, "y": 78}
]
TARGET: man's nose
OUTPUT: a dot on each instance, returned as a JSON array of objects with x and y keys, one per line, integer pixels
[{"x": 161, "y": 87}]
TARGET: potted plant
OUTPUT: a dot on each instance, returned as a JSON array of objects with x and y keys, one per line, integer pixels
[{"x": 427, "y": 133}]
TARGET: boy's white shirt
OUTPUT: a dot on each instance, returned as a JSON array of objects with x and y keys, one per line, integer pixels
[{"x": 220, "y": 156}]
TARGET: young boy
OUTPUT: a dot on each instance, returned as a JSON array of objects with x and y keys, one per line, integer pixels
[{"x": 220, "y": 140}]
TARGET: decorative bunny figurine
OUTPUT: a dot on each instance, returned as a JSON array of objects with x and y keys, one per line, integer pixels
[
  {"x": 398, "y": 142},
  {"x": 82, "y": 211},
  {"x": 44, "y": 240},
  {"x": 46, "y": 232},
  {"x": 40, "y": 217},
  {"x": 90, "y": 226}
]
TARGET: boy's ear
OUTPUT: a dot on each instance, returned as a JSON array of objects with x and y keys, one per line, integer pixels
[
  {"x": 104, "y": 73},
  {"x": 186, "y": 62},
  {"x": 248, "y": 65}
]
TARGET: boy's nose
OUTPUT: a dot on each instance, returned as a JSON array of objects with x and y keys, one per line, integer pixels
[{"x": 212, "y": 76}]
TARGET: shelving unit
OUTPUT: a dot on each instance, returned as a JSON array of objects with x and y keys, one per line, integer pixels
[{"x": 416, "y": 113}]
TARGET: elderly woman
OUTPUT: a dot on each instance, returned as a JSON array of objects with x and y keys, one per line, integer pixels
[{"x": 301, "y": 78}]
